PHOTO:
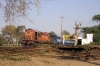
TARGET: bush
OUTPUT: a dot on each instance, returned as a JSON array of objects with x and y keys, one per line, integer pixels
[{"x": 95, "y": 43}]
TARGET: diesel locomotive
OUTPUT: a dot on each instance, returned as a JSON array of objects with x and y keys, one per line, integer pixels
[{"x": 34, "y": 37}]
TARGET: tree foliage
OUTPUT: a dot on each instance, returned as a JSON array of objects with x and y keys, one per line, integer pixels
[
  {"x": 52, "y": 33},
  {"x": 13, "y": 34},
  {"x": 8, "y": 32},
  {"x": 95, "y": 30},
  {"x": 96, "y": 18},
  {"x": 64, "y": 32},
  {"x": 1, "y": 39},
  {"x": 19, "y": 33}
]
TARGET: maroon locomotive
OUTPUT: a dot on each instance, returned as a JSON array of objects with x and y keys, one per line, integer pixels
[{"x": 33, "y": 37}]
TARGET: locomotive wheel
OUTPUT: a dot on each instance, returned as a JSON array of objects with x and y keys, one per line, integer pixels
[{"x": 24, "y": 45}]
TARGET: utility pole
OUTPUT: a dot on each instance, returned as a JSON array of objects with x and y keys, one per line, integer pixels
[
  {"x": 61, "y": 27},
  {"x": 76, "y": 32}
]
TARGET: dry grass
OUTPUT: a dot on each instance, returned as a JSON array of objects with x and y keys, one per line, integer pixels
[{"x": 15, "y": 58}]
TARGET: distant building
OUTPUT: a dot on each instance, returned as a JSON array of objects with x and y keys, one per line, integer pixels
[
  {"x": 67, "y": 39},
  {"x": 87, "y": 40}
]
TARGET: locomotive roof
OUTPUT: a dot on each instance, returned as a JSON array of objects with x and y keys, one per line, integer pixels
[{"x": 33, "y": 29}]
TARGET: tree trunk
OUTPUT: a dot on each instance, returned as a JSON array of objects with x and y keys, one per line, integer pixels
[{"x": 76, "y": 37}]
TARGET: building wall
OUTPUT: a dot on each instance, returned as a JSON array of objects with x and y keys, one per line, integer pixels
[
  {"x": 90, "y": 38},
  {"x": 87, "y": 40}
]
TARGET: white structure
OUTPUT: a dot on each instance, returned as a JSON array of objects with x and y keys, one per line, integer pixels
[
  {"x": 87, "y": 40},
  {"x": 81, "y": 40}
]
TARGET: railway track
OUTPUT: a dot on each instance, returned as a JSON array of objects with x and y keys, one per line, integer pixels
[
  {"x": 81, "y": 52},
  {"x": 77, "y": 52}
]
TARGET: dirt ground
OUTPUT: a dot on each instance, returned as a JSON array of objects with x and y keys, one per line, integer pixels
[
  {"x": 44, "y": 61},
  {"x": 43, "y": 58}
]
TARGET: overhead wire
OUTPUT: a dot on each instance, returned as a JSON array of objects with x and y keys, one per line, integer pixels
[
  {"x": 75, "y": 19},
  {"x": 68, "y": 23},
  {"x": 86, "y": 22}
]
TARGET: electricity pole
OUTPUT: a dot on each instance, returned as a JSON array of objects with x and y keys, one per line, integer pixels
[{"x": 61, "y": 27}]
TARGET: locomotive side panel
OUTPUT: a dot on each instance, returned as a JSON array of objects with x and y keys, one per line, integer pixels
[
  {"x": 29, "y": 37},
  {"x": 44, "y": 38},
  {"x": 29, "y": 34}
]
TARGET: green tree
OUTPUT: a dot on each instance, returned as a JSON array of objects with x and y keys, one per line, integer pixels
[
  {"x": 64, "y": 32},
  {"x": 52, "y": 33},
  {"x": 19, "y": 33},
  {"x": 96, "y": 18},
  {"x": 95, "y": 30},
  {"x": 85, "y": 30},
  {"x": 1, "y": 39},
  {"x": 8, "y": 32}
]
